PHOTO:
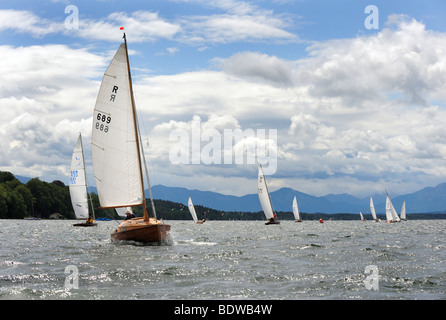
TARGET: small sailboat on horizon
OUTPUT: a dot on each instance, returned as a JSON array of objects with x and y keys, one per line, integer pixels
[
  {"x": 193, "y": 212},
  {"x": 296, "y": 212},
  {"x": 78, "y": 187},
  {"x": 361, "y": 216},
  {"x": 372, "y": 210},
  {"x": 117, "y": 151},
  {"x": 265, "y": 199},
  {"x": 403, "y": 212},
  {"x": 391, "y": 215}
]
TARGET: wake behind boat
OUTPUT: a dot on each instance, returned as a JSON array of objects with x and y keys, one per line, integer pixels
[{"x": 117, "y": 152}]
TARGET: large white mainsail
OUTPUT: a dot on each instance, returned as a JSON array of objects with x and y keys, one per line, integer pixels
[
  {"x": 265, "y": 200},
  {"x": 372, "y": 209},
  {"x": 116, "y": 162},
  {"x": 296, "y": 210},
  {"x": 78, "y": 182},
  {"x": 192, "y": 210}
]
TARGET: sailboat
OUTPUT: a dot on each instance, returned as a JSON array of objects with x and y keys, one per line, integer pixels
[
  {"x": 296, "y": 210},
  {"x": 193, "y": 213},
  {"x": 403, "y": 212},
  {"x": 372, "y": 210},
  {"x": 391, "y": 215},
  {"x": 362, "y": 217},
  {"x": 117, "y": 152},
  {"x": 265, "y": 200},
  {"x": 78, "y": 187}
]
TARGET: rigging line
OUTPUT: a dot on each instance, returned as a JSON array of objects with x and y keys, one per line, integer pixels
[
  {"x": 144, "y": 129},
  {"x": 145, "y": 166}
]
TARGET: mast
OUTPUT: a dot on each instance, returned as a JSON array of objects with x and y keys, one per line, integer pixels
[{"x": 146, "y": 215}]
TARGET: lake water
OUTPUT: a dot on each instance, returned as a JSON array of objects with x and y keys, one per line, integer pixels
[{"x": 226, "y": 260}]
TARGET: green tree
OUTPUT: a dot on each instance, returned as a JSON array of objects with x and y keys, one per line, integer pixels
[
  {"x": 3, "y": 203},
  {"x": 15, "y": 206},
  {"x": 6, "y": 176},
  {"x": 44, "y": 200}
]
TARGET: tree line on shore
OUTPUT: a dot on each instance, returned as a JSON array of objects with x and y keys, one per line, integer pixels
[{"x": 40, "y": 199}]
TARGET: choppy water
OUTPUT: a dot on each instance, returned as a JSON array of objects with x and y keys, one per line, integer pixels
[{"x": 226, "y": 260}]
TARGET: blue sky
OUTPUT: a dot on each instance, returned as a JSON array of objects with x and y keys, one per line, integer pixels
[
  {"x": 356, "y": 110},
  {"x": 308, "y": 21}
]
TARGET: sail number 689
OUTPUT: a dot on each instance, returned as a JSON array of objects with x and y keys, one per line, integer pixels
[{"x": 102, "y": 122}]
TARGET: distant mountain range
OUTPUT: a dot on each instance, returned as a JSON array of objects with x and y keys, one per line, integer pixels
[{"x": 427, "y": 200}]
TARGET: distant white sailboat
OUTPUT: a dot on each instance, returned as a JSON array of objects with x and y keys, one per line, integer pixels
[
  {"x": 296, "y": 210},
  {"x": 391, "y": 215},
  {"x": 362, "y": 217},
  {"x": 193, "y": 213},
  {"x": 372, "y": 210},
  {"x": 403, "y": 212},
  {"x": 265, "y": 200},
  {"x": 78, "y": 187}
]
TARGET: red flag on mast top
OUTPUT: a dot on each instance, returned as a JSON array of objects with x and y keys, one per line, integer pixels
[{"x": 122, "y": 28}]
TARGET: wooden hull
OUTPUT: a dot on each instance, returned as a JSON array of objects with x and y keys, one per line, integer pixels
[
  {"x": 298, "y": 221},
  {"x": 84, "y": 224},
  {"x": 139, "y": 230}
]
